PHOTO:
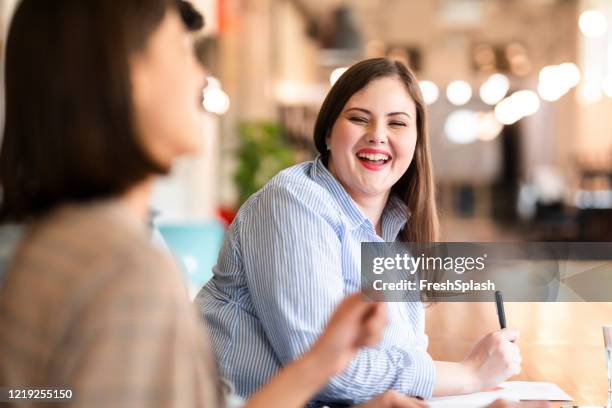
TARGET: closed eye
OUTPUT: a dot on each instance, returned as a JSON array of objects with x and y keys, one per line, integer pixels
[
  {"x": 358, "y": 119},
  {"x": 397, "y": 124}
]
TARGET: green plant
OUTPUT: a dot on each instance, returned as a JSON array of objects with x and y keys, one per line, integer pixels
[{"x": 263, "y": 153}]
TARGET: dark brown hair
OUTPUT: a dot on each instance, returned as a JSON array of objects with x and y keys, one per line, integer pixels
[
  {"x": 69, "y": 130},
  {"x": 415, "y": 187}
]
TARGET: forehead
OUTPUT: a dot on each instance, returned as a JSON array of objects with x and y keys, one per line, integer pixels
[
  {"x": 383, "y": 95},
  {"x": 172, "y": 23},
  {"x": 167, "y": 38}
]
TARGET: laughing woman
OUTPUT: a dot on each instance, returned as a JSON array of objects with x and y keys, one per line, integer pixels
[{"x": 293, "y": 251}]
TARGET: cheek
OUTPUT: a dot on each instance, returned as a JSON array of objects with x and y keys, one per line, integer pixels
[
  {"x": 343, "y": 137},
  {"x": 166, "y": 112},
  {"x": 167, "y": 121},
  {"x": 405, "y": 147},
  {"x": 177, "y": 94}
]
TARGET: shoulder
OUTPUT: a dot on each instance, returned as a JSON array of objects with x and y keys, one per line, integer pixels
[
  {"x": 85, "y": 245},
  {"x": 293, "y": 189},
  {"x": 88, "y": 265}
]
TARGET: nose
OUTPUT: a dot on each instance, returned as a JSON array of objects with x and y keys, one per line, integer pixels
[
  {"x": 200, "y": 72},
  {"x": 377, "y": 135}
]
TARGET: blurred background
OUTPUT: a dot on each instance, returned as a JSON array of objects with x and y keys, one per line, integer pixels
[
  {"x": 519, "y": 94},
  {"x": 520, "y": 107}
]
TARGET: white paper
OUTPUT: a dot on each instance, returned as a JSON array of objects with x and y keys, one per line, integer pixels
[
  {"x": 511, "y": 391},
  {"x": 529, "y": 390}
]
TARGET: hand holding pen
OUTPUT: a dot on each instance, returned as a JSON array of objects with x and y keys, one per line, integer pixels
[{"x": 495, "y": 357}]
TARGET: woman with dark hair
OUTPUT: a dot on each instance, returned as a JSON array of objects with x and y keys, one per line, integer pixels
[
  {"x": 101, "y": 97},
  {"x": 293, "y": 252}
]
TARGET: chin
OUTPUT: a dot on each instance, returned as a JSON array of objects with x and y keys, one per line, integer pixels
[
  {"x": 190, "y": 142},
  {"x": 373, "y": 190}
]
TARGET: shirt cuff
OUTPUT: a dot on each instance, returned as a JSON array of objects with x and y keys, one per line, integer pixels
[{"x": 419, "y": 376}]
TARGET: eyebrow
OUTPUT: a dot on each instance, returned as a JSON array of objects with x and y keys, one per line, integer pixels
[{"x": 388, "y": 114}]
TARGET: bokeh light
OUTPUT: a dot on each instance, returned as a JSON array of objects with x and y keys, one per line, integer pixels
[
  {"x": 488, "y": 127},
  {"x": 494, "y": 89},
  {"x": 459, "y": 92},
  {"x": 556, "y": 80},
  {"x": 593, "y": 23},
  {"x": 506, "y": 112},
  {"x": 216, "y": 101},
  {"x": 462, "y": 126},
  {"x": 430, "y": 91},
  {"x": 527, "y": 101}
]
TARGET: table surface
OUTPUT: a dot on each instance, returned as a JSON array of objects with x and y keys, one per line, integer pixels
[{"x": 560, "y": 342}]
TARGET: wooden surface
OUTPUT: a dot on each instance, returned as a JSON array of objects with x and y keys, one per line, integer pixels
[{"x": 560, "y": 342}]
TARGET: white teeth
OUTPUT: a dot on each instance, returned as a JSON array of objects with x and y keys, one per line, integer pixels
[{"x": 373, "y": 157}]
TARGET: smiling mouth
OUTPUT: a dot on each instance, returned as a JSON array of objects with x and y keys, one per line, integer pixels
[{"x": 377, "y": 159}]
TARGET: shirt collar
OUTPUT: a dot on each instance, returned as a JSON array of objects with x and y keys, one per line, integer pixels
[
  {"x": 395, "y": 213},
  {"x": 394, "y": 218},
  {"x": 324, "y": 177}
]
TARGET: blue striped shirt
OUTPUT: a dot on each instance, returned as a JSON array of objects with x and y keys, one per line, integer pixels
[{"x": 289, "y": 257}]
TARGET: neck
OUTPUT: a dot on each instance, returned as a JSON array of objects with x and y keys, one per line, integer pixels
[
  {"x": 136, "y": 199},
  {"x": 372, "y": 206}
]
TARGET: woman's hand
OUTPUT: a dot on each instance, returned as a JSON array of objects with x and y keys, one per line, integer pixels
[
  {"x": 393, "y": 399},
  {"x": 356, "y": 323},
  {"x": 493, "y": 359}
]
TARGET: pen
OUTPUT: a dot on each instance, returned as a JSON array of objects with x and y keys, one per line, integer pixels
[{"x": 499, "y": 302}]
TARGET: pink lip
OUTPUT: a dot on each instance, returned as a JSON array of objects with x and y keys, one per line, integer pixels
[
  {"x": 373, "y": 151},
  {"x": 373, "y": 166}
]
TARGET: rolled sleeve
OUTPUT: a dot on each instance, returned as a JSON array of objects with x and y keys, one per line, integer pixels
[
  {"x": 374, "y": 371},
  {"x": 419, "y": 377}
]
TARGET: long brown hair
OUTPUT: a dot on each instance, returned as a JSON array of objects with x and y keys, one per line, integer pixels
[{"x": 416, "y": 186}]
